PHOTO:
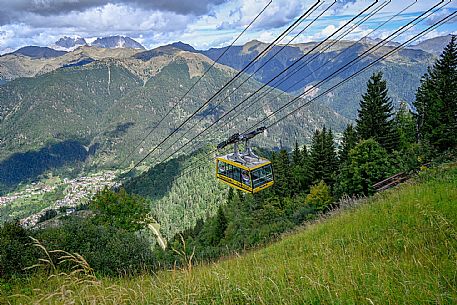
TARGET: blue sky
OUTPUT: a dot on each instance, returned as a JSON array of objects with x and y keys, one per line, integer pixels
[{"x": 201, "y": 23}]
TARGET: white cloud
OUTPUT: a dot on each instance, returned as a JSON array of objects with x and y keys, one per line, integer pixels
[{"x": 155, "y": 23}]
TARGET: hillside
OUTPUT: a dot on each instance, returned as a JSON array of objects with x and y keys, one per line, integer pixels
[
  {"x": 16, "y": 65},
  {"x": 398, "y": 247},
  {"x": 402, "y": 70},
  {"x": 107, "y": 105},
  {"x": 433, "y": 45}
]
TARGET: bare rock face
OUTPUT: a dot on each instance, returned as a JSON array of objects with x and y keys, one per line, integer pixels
[
  {"x": 70, "y": 42},
  {"x": 113, "y": 42}
]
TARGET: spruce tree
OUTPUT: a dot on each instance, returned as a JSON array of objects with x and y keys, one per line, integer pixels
[
  {"x": 348, "y": 142},
  {"x": 297, "y": 168},
  {"x": 220, "y": 226},
  {"x": 406, "y": 127},
  {"x": 368, "y": 163},
  {"x": 283, "y": 175},
  {"x": 300, "y": 170},
  {"x": 330, "y": 155},
  {"x": 436, "y": 101},
  {"x": 323, "y": 157},
  {"x": 296, "y": 155},
  {"x": 306, "y": 170},
  {"x": 374, "y": 116}
]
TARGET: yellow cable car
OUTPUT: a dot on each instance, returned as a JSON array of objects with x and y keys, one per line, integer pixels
[{"x": 244, "y": 171}]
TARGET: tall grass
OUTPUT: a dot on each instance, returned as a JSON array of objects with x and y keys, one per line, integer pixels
[{"x": 399, "y": 247}]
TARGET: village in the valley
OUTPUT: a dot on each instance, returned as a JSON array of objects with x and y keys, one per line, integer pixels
[{"x": 58, "y": 194}]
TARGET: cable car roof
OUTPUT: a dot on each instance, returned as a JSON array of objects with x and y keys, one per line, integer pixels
[{"x": 250, "y": 164}]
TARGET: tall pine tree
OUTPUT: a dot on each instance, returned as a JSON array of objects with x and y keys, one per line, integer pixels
[
  {"x": 300, "y": 170},
  {"x": 348, "y": 142},
  {"x": 367, "y": 164},
  {"x": 323, "y": 157},
  {"x": 436, "y": 101},
  {"x": 283, "y": 174},
  {"x": 375, "y": 114},
  {"x": 406, "y": 127}
]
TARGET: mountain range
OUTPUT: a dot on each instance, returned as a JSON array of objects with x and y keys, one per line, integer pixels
[
  {"x": 433, "y": 45},
  {"x": 69, "y": 43},
  {"x": 107, "y": 106},
  {"x": 86, "y": 109}
]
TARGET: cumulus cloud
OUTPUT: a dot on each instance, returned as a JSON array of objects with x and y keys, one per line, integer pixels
[
  {"x": 16, "y": 10},
  {"x": 436, "y": 17},
  {"x": 278, "y": 14},
  {"x": 202, "y": 23}
]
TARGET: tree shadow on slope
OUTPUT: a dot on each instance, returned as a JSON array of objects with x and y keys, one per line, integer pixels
[
  {"x": 157, "y": 181},
  {"x": 21, "y": 167}
]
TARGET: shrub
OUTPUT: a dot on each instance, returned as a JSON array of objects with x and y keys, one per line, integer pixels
[
  {"x": 128, "y": 212},
  {"x": 319, "y": 197},
  {"x": 16, "y": 253},
  {"x": 108, "y": 250}
]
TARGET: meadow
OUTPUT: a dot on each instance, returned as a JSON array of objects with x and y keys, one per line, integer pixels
[{"x": 397, "y": 247}]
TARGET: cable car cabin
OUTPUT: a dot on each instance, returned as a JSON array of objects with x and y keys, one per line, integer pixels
[
  {"x": 252, "y": 175},
  {"x": 244, "y": 170}
]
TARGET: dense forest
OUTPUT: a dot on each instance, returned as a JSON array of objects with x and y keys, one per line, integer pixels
[{"x": 113, "y": 236}]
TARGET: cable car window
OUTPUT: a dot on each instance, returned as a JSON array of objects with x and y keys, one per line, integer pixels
[
  {"x": 229, "y": 171},
  {"x": 221, "y": 168},
  {"x": 262, "y": 175},
  {"x": 246, "y": 179},
  {"x": 235, "y": 173}
]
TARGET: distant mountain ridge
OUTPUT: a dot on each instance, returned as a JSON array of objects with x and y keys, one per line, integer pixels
[
  {"x": 433, "y": 45},
  {"x": 109, "y": 103},
  {"x": 69, "y": 43},
  {"x": 39, "y": 52},
  {"x": 117, "y": 42}
]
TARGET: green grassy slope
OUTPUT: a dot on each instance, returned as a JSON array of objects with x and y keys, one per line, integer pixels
[{"x": 398, "y": 248}]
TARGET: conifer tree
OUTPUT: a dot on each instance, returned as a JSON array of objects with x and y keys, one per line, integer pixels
[
  {"x": 306, "y": 169},
  {"x": 283, "y": 175},
  {"x": 331, "y": 155},
  {"x": 220, "y": 226},
  {"x": 368, "y": 163},
  {"x": 406, "y": 127},
  {"x": 296, "y": 155},
  {"x": 323, "y": 157},
  {"x": 300, "y": 169},
  {"x": 297, "y": 168},
  {"x": 349, "y": 141},
  {"x": 436, "y": 101},
  {"x": 374, "y": 116}
]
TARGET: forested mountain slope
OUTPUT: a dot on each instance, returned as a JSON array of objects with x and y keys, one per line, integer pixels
[
  {"x": 110, "y": 104},
  {"x": 402, "y": 70}
]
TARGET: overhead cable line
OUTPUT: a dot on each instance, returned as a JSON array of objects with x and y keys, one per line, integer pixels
[
  {"x": 266, "y": 84},
  {"x": 198, "y": 80},
  {"x": 383, "y": 42},
  {"x": 347, "y": 65},
  {"x": 248, "y": 78},
  {"x": 326, "y": 63},
  {"x": 443, "y": 20},
  {"x": 279, "y": 82},
  {"x": 409, "y": 41},
  {"x": 225, "y": 86}
]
